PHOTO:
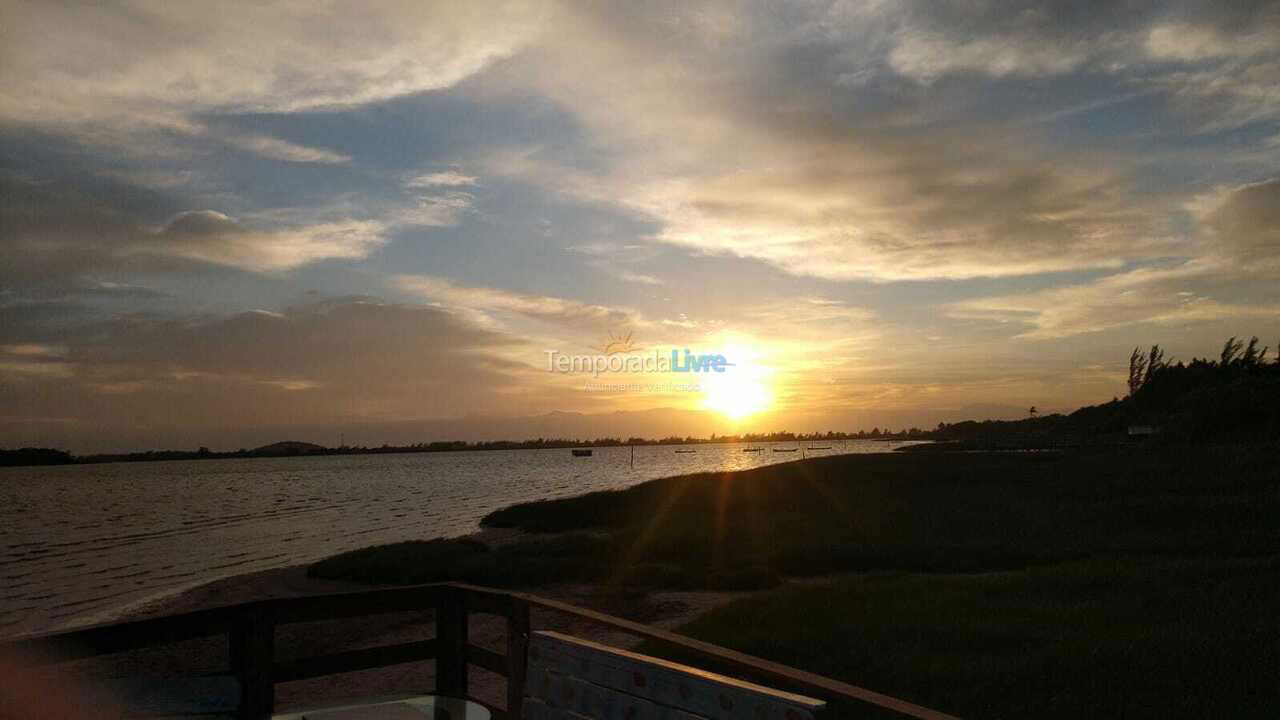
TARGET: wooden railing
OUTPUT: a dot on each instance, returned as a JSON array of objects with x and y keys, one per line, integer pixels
[{"x": 251, "y": 627}]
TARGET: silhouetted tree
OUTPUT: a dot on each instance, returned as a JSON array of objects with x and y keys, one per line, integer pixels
[
  {"x": 1155, "y": 363},
  {"x": 1252, "y": 356},
  {"x": 1230, "y": 351},
  {"x": 1137, "y": 370}
]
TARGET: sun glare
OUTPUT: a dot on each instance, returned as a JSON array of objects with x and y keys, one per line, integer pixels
[{"x": 742, "y": 390}]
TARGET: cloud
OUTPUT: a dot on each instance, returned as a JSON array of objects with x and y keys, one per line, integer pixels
[
  {"x": 1187, "y": 42},
  {"x": 924, "y": 212},
  {"x": 1217, "y": 61},
  {"x": 98, "y": 63},
  {"x": 778, "y": 159},
  {"x": 1227, "y": 96},
  {"x": 436, "y": 199},
  {"x": 540, "y": 307},
  {"x": 278, "y": 149},
  {"x": 24, "y": 362},
  {"x": 1243, "y": 222},
  {"x": 613, "y": 259},
  {"x": 445, "y": 178},
  {"x": 350, "y": 359},
  {"x": 136, "y": 79},
  {"x": 927, "y": 56},
  {"x": 1146, "y": 296},
  {"x": 212, "y": 237},
  {"x": 781, "y": 156},
  {"x": 1238, "y": 235},
  {"x": 438, "y": 210},
  {"x": 1001, "y": 39},
  {"x": 640, "y": 278},
  {"x": 59, "y": 235},
  {"x": 32, "y": 350},
  {"x": 26, "y": 370},
  {"x": 810, "y": 312}
]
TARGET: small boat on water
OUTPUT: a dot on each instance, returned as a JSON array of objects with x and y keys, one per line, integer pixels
[
  {"x": 824, "y": 447},
  {"x": 582, "y": 453},
  {"x": 752, "y": 449},
  {"x": 686, "y": 451},
  {"x": 786, "y": 449}
]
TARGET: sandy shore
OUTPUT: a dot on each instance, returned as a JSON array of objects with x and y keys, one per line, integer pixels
[{"x": 662, "y": 609}]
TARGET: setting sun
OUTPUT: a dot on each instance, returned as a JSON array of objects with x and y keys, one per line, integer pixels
[{"x": 742, "y": 390}]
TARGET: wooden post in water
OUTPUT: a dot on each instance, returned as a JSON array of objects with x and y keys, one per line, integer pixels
[{"x": 633, "y": 457}]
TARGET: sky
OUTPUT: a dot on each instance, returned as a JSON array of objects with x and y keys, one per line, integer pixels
[{"x": 226, "y": 224}]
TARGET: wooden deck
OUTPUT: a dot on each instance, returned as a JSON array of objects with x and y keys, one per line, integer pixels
[{"x": 250, "y": 630}]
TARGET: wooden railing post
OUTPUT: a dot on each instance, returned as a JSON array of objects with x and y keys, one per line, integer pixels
[
  {"x": 252, "y": 656},
  {"x": 451, "y": 634},
  {"x": 251, "y": 631},
  {"x": 517, "y": 657}
]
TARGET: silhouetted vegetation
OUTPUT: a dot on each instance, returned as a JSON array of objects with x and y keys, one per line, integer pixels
[
  {"x": 1235, "y": 397},
  {"x": 34, "y": 456}
]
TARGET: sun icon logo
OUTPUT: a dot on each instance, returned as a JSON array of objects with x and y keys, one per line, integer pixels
[{"x": 619, "y": 344}]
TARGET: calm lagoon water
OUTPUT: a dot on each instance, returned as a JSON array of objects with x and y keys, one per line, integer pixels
[{"x": 85, "y": 543}]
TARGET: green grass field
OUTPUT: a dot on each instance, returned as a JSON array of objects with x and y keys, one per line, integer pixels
[{"x": 1116, "y": 584}]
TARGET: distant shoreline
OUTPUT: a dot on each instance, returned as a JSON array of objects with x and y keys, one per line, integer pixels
[{"x": 48, "y": 457}]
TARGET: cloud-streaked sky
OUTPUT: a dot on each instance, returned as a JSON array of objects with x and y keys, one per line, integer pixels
[{"x": 225, "y": 217}]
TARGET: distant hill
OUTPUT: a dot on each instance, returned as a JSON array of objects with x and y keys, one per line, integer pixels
[{"x": 288, "y": 447}]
